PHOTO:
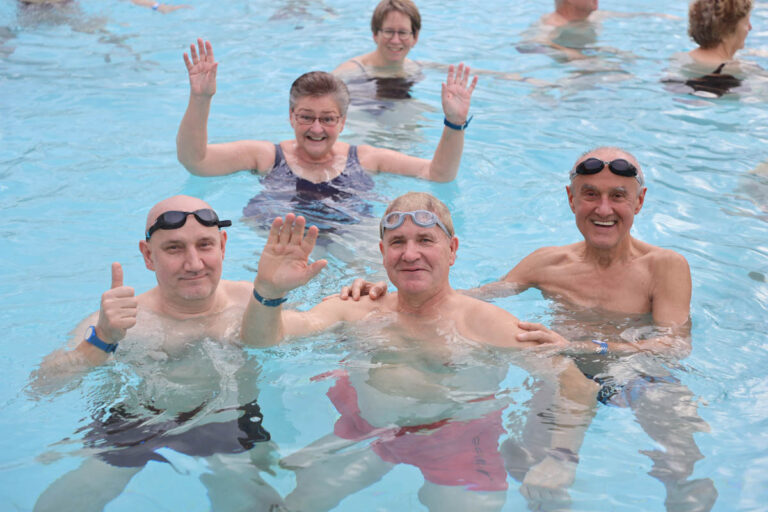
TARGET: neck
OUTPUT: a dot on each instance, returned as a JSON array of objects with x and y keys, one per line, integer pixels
[
  {"x": 377, "y": 61},
  {"x": 183, "y": 309},
  {"x": 721, "y": 53},
  {"x": 607, "y": 257},
  {"x": 423, "y": 305}
]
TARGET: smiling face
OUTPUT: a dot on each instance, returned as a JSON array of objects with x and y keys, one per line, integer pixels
[
  {"x": 394, "y": 50},
  {"x": 187, "y": 261},
  {"x": 605, "y": 204},
  {"x": 315, "y": 141},
  {"x": 418, "y": 259}
]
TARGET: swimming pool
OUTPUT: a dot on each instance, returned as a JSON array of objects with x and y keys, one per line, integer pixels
[{"x": 91, "y": 103}]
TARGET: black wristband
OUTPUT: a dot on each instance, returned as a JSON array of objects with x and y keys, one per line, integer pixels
[{"x": 272, "y": 303}]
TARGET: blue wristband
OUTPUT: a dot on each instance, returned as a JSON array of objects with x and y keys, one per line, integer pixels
[
  {"x": 459, "y": 127},
  {"x": 93, "y": 339},
  {"x": 272, "y": 303},
  {"x": 603, "y": 346}
]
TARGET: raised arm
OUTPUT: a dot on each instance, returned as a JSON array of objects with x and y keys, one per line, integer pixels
[
  {"x": 192, "y": 148},
  {"x": 444, "y": 166},
  {"x": 116, "y": 315},
  {"x": 283, "y": 266}
]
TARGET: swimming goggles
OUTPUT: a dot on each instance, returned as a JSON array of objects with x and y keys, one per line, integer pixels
[
  {"x": 620, "y": 167},
  {"x": 175, "y": 219},
  {"x": 423, "y": 218}
]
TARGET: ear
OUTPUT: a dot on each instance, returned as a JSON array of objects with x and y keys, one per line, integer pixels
[
  {"x": 454, "y": 247},
  {"x": 570, "y": 198},
  {"x": 381, "y": 247},
  {"x": 415, "y": 39},
  {"x": 640, "y": 200},
  {"x": 290, "y": 117},
  {"x": 223, "y": 237},
  {"x": 146, "y": 251}
]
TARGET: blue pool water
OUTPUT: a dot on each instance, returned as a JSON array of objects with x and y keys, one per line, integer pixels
[{"x": 92, "y": 98}]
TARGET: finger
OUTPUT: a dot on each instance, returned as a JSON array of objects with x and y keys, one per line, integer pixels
[
  {"x": 117, "y": 275},
  {"x": 357, "y": 287},
  {"x": 531, "y": 326},
  {"x": 461, "y": 75},
  {"x": 472, "y": 85},
  {"x": 449, "y": 78},
  {"x": 297, "y": 233},
  {"x": 187, "y": 62},
  {"x": 315, "y": 268},
  {"x": 201, "y": 49},
  {"x": 344, "y": 294},
  {"x": 274, "y": 231},
  {"x": 378, "y": 290},
  {"x": 209, "y": 51},
  {"x": 284, "y": 235},
  {"x": 193, "y": 54}
]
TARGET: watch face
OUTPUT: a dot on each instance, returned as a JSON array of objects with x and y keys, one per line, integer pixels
[{"x": 91, "y": 332}]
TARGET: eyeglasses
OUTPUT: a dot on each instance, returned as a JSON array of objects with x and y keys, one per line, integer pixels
[
  {"x": 390, "y": 33},
  {"x": 619, "y": 166},
  {"x": 175, "y": 219},
  {"x": 423, "y": 218},
  {"x": 326, "y": 120}
]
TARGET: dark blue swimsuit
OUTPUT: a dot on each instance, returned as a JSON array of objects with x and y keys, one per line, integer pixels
[{"x": 327, "y": 205}]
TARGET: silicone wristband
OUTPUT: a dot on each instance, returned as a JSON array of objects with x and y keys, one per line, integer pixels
[
  {"x": 93, "y": 339},
  {"x": 272, "y": 303},
  {"x": 603, "y": 346},
  {"x": 459, "y": 127}
]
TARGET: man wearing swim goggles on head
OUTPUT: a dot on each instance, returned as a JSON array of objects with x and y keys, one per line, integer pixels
[
  {"x": 418, "y": 248},
  {"x": 168, "y": 336}
]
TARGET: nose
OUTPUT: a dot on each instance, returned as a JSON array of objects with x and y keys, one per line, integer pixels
[
  {"x": 192, "y": 260},
  {"x": 411, "y": 252},
  {"x": 604, "y": 207}
]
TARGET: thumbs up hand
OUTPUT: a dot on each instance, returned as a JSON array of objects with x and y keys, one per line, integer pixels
[{"x": 118, "y": 309}]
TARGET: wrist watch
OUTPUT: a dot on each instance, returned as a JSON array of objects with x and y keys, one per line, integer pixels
[{"x": 93, "y": 339}]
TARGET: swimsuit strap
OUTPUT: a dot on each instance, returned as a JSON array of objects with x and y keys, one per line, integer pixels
[
  {"x": 719, "y": 69},
  {"x": 360, "y": 65},
  {"x": 279, "y": 156}
]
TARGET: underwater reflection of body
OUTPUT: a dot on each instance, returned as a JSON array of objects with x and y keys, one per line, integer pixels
[
  {"x": 645, "y": 383},
  {"x": 437, "y": 407},
  {"x": 156, "y": 407}
]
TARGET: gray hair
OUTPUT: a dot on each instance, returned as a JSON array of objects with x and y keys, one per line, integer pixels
[{"x": 319, "y": 83}]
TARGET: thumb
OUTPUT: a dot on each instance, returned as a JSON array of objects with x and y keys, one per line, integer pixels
[
  {"x": 117, "y": 275},
  {"x": 315, "y": 268}
]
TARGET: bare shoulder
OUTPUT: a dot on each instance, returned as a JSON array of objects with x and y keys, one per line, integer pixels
[
  {"x": 348, "y": 310},
  {"x": 349, "y": 67},
  {"x": 544, "y": 258},
  {"x": 237, "y": 292},
  {"x": 488, "y": 323},
  {"x": 665, "y": 261}
]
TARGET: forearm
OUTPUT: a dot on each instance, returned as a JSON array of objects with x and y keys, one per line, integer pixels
[
  {"x": 192, "y": 138},
  {"x": 262, "y": 325},
  {"x": 574, "y": 408},
  {"x": 493, "y": 290},
  {"x": 445, "y": 163}
]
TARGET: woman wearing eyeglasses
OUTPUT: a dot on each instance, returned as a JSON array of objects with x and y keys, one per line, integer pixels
[
  {"x": 395, "y": 25},
  {"x": 314, "y": 165}
]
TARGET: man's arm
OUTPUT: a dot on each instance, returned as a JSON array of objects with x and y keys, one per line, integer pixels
[
  {"x": 671, "y": 291},
  {"x": 116, "y": 315},
  {"x": 283, "y": 266}
]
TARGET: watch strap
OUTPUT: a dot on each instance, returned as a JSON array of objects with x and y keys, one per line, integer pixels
[{"x": 92, "y": 338}]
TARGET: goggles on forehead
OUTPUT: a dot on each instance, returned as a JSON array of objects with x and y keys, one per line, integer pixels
[
  {"x": 619, "y": 166},
  {"x": 175, "y": 219},
  {"x": 423, "y": 218}
]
